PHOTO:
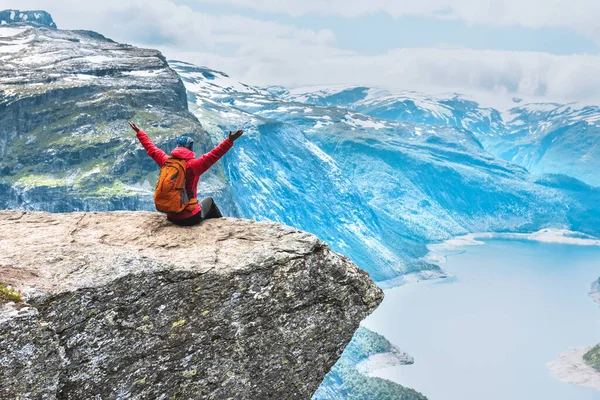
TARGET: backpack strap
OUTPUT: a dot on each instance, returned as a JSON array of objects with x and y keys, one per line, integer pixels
[{"x": 192, "y": 205}]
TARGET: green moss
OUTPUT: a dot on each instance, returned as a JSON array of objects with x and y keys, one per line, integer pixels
[
  {"x": 9, "y": 294},
  {"x": 178, "y": 324},
  {"x": 47, "y": 180},
  {"x": 116, "y": 189},
  {"x": 592, "y": 357},
  {"x": 190, "y": 373},
  {"x": 141, "y": 381}
]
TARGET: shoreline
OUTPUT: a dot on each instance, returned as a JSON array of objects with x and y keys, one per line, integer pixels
[
  {"x": 571, "y": 368},
  {"x": 439, "y": 251},
  {"x": 546, "y": 235},
  {"x": 376, "y": 362},
  {"x": 595, "y": 291}
]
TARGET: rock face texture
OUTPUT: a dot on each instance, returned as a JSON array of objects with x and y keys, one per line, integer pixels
[
  {"x": 65, "y": 99},
  {"x": 38, "y": 17},
  {"x": 126, "y": 305}
]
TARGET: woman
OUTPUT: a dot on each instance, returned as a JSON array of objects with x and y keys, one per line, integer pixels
[{"x": 195, "y": 211}]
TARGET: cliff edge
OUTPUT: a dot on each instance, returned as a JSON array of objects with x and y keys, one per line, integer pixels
[{"x": 126, "y": 305}]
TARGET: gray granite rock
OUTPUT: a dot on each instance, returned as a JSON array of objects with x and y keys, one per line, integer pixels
[{"x": 127, "y": 306}]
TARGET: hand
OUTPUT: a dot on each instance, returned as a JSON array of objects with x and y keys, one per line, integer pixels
[
  {"x": 134, "y": 127},
  {"x": 236, "y": 135}
]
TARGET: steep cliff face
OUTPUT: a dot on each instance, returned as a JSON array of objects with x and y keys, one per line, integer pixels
[
  {"x": 65, "y": 97},
  {"x": 125, "y": 305}
]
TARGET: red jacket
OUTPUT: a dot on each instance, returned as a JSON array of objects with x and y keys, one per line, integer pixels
[{"x": 194, "y": 166}]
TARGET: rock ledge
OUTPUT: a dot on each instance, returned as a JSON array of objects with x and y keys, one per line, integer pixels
[{"x": 125, "y": 305}]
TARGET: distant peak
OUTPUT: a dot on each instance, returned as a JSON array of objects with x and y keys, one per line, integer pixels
[{"x": 36, "y": 17}]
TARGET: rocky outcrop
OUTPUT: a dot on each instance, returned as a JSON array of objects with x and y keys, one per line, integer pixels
[
  {"x": 38, "y": 17},
  {"x": 351, "y": 378},
  {"x": 580, "y": 366},
  {"x": 126, "y": 305},
  {"x": 65, "y": 99}
]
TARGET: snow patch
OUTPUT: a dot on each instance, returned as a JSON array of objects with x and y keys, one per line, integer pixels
[
  {"x": 12, "y": 49},
  {"x": 10, "y": 32},
  {"x": 364, "y": 123},
  {"x": 144, "y": 74},
  {"x": 245, "y": 104},
  {"x": 97, "y": 59}
]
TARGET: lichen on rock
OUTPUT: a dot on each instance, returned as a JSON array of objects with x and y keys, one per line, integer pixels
[{"x": 126, "y": 305}]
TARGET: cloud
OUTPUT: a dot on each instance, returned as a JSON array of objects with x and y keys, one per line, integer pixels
[
  {"x": 579, "y": 15},
  {"x": 268, "y": 52},
  {"x": 165, "y": 22},
  {"x": 533, "y": 75}
]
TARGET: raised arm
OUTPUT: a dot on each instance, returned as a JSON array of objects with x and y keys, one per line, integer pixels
[
  {"x": 157, "y": 154},
  {"x": 200, "y": 165}
]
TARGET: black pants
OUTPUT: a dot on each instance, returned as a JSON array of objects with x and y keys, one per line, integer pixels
[{"x": 208, "y": 210}]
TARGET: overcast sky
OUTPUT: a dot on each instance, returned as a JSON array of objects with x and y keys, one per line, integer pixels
[{"x": 542, "y": 48}]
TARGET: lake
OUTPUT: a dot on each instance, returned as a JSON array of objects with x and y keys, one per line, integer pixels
[{"x": 488, "y": 332}]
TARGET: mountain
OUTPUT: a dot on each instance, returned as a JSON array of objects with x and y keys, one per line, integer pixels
[
  {"x": 114, "y": 307},
  {"x": 545, "y": 138},
  {"x": 65, "y": 98},
  {"x": 393, "y": 186},
  {"x": 277, "y": 174},
  {"x": 553, "y": 139},
  {"x": 408, "y": 106}
]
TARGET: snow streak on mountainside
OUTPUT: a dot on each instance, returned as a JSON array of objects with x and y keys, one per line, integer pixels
[
  {"x": 373, "y": 187},
  {"x": 544, "y": 138}
]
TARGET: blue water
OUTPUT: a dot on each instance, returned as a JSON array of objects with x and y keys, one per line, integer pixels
[{"x": 488, "y": 332}]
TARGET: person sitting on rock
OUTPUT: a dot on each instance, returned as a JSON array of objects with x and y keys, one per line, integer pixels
[{"x": 183, "y": 157}]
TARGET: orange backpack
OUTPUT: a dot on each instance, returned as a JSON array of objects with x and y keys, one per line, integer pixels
[{"x": 170, "y": 195}]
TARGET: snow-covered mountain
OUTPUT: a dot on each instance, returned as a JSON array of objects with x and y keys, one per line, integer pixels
[
  {"x": 376, "y": 189},
  {"x": 542, "y": 137},
  {"x": 552, "y": 138}
]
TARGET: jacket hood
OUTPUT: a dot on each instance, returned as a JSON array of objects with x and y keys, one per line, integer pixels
[{"x": 183, "y": 153}]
